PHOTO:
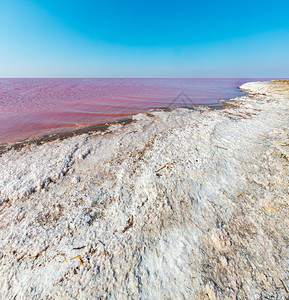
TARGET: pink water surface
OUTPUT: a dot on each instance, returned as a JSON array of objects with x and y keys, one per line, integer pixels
[{"x": 34, "y": 107}]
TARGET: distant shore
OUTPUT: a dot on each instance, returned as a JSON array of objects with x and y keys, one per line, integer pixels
[{"x": 176, "y": 204}]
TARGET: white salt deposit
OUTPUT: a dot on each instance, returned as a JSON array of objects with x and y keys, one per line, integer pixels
[{"x": 186, "y": 204}]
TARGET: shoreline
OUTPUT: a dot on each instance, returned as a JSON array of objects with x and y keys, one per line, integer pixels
[
  {"x": 46, "y": 138},
  {"x": 40, "y": 123},
  {"x": 69, "y": 131},
  {"x": 188, "y": 203}
]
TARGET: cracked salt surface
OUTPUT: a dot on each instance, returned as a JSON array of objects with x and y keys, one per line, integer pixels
[{"x": 186, "y": 204}]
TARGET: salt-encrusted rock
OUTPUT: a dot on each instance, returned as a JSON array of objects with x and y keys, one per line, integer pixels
[{"x": 75, "y": 179}]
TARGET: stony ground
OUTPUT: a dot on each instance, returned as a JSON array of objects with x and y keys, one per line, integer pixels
[{"x": 187, "y": 204}]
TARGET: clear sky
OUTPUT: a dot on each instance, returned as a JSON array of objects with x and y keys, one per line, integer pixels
[{"x": 152, "y": 38}]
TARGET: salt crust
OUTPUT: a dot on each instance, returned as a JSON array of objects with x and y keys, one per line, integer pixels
[{"x": 186, "y": 204}]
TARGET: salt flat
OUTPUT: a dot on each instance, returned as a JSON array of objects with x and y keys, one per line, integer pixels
[{"x": 180, "y": 204}]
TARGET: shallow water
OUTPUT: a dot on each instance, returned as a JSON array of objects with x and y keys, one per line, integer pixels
[{"x": 33, "y": 107}]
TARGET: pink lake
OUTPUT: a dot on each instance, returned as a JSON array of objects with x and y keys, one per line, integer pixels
[{"x": 34, "y": 107}]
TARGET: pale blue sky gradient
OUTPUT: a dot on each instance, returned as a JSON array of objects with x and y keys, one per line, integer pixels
[{"x": 49, "y": 38}]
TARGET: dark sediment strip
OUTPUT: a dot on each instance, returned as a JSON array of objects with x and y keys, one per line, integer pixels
[
  {"x": 61, "y": 135},
  {"x": 90, "y": 129}
]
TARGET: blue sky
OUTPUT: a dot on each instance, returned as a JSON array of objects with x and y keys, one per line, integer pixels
[{"x": 49, "y": 38}]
